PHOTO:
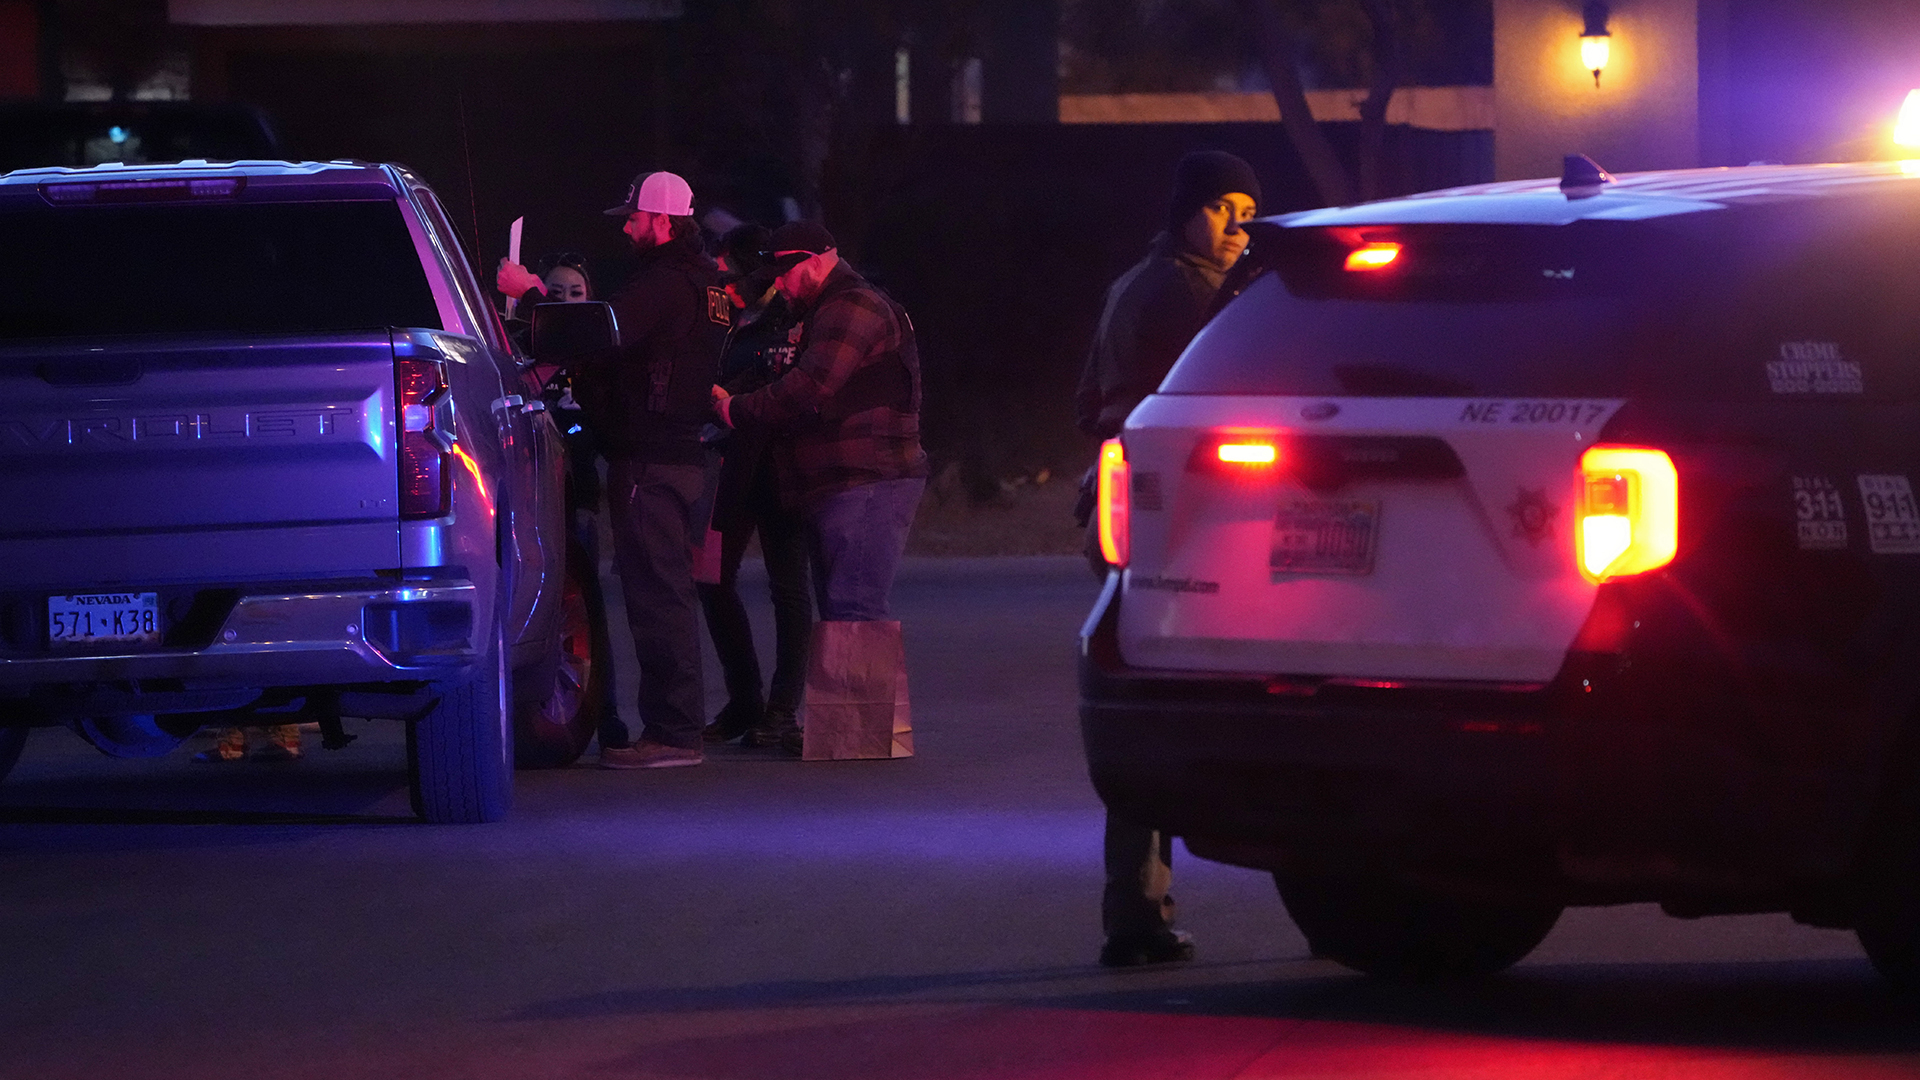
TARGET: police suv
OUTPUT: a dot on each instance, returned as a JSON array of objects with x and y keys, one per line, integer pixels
[{"x": 1530, "y": 545}]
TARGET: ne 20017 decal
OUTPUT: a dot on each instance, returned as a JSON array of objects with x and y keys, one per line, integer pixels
[
  {"x": 1820, "y": 516},
  {"x": 1893, "y": 521}
]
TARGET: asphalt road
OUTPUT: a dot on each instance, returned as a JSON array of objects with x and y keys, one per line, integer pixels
[{"x": 921, "y": 919}]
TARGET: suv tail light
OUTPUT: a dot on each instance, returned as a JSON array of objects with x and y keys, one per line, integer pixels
[
  {"x": 426, "y": 446},
  {"x": 1628, "y": 521},
  {"x": 1112, "y": 509},
  {"x": 1237, "y": 455}
]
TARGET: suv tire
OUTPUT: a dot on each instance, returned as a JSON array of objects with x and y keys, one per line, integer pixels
[
  {"x": 1382, "y": 927},
  {"x": 460, "y": 755}
]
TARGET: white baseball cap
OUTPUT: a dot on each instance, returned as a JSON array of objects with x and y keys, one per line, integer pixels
[{"x": 658, "y": 193}]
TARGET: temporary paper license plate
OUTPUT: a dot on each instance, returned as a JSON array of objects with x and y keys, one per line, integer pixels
[
  {"x": 1318, "y": 536},
  {"x": 103, "y": 619}
]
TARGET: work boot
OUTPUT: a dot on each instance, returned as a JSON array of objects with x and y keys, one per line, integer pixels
[
  {"x": 283, "y": 744},
  {"x": 1139, "y": 950},
  {"x": 231, "y": 747},
  {"x": 733, "y": 721},
  {"x": 774, "y": 731}
]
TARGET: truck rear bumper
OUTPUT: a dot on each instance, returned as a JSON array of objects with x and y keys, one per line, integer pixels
[{"x": 357, "y": 635}]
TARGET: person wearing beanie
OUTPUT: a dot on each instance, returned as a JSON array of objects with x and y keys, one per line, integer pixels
[
  {"x": 647, "y": 402},
  {"x": 747, "y": 501},
  {"x": 846, "y": 415},
  {"x": 1154, "y": 309},
  {"x": 1151, "y": 313}
]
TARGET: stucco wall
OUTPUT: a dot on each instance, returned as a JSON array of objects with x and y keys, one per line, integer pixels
[{"x": 1645, "y": 113}]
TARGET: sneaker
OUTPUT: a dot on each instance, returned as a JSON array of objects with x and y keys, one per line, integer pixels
[
  {"x": 1165, "y": 947},
  {"x": 773, "y": 731},
  {"x": 733, "y": 721},
  {"x": 647, "y": 754}
]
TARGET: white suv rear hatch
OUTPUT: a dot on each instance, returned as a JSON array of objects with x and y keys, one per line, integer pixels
[{"x": 1390, "y": 539}]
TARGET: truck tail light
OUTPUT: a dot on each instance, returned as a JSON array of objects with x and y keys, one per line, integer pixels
[
  {"x": 1112, "y": 510},
  {"x": 426, "y": 445},
  {"x": 1628, "y": 520}
]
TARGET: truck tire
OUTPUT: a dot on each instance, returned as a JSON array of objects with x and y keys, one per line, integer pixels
[
  {"x": 460, "y": 755},
  {"x": 557, "y": 706},
  {"x": 1381, "y": 927},
  {"x": 12, "y": 740},
  {"x": 141, "y": 735}
]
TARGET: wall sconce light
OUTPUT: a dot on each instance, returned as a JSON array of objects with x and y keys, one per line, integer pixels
[{"x": 1595, "y": 41}]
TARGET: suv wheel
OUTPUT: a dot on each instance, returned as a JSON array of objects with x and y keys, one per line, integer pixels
[
  {"x": 1382, "y": 927},
  {"x": 12, "y": 741},
  {"x": 557, "y": 710},
  {"x": 460, "y": 755}
]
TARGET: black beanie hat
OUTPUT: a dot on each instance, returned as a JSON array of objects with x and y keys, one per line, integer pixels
[
  {"x": 802, "y": 236},
  {"x": 1203, "y": 176}
]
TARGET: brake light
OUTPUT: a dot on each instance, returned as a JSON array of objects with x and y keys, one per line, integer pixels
[
  {"x": 1629, "y": 516},
  {"x": 1112, "y": 509},
  {"x": 1248, "y": 453},
  {"x": 1376, "y": 256},
  {"x": 426, "y": 478}
]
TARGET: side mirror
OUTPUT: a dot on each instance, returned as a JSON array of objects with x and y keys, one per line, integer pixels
[{"x": 563, "y": 333}]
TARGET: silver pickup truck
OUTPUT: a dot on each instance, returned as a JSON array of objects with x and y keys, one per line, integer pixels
[{"x": 268, "y": 455}]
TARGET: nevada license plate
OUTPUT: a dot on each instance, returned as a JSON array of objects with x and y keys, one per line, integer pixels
[
  {"x": 103, "y": 619},
  {"x": 1318, "y": 536}
]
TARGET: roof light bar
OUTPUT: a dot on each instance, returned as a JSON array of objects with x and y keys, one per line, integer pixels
[{"x": 68, "y": 193}]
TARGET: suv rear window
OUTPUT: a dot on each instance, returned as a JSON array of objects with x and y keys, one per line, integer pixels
[
  {"x": 1803, "y": 299},
  {"x": 230, "y": 268}
]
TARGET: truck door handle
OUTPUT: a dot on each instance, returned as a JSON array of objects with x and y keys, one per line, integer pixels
[{"x": 511, "y": 401}]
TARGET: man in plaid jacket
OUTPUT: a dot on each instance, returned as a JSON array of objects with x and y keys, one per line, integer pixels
[{"x": 848, "y": 416}]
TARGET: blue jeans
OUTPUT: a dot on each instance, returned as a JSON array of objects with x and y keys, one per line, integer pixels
[{"x": 857, "y": 538}]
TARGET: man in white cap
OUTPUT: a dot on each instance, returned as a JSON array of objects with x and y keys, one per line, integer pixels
[{"x": 647, "y": 402}]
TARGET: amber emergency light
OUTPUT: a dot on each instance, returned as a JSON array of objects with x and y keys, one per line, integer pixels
[
  {"x": 1112, "y": 508},
  {"x": 1628, "y": 521},
  {"x": 1377, "y": 256}
]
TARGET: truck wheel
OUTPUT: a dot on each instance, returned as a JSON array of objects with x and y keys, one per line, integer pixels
[
  {"x": 460, "y": 755},
  {"x": 12, "y": 741},
  {"x": 137, "y": 736},
  {"x": 557, "y": 710},
  {"x": 1384, "y": 928}
]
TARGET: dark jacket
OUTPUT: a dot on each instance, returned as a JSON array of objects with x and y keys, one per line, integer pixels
[
  {"x": 761, "y": 347},
  {"x": 1152, "y": 311},
  {"x": 848, "y": 412},
  {"x": 648, "y": 399}
]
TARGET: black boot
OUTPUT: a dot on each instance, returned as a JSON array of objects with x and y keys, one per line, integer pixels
[
  {"x": 774, "y": 731},
  {"x": 734, "y": 720}
]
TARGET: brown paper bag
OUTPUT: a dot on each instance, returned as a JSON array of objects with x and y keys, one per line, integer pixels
[{"x": 856, "y": 704}]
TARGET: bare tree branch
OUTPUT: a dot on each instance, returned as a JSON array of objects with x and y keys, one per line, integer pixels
[
  {"x": 1274, "y": 42},
  {"x": 1387, "y": 65}
]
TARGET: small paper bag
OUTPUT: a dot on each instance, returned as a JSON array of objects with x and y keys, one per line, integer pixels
[{"x": 856, "y": 705}]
